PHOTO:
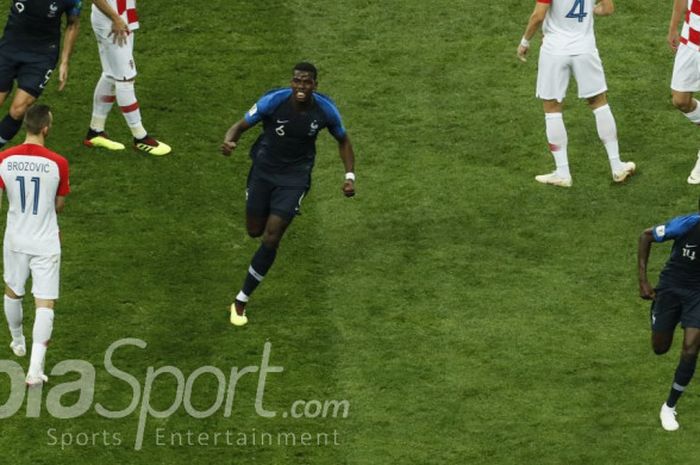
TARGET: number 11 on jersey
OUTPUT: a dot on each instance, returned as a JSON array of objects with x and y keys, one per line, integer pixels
[
  {"x": 578, "y": 4},
  {"x": 22, "y": 193}
]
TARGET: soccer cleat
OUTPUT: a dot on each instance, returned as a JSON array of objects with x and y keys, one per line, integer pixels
[
  {"x": 668, "y": 418},
  {"x": 150, "y": 145},
  {"x": 101, "y": 140},
  {"x": 34, "y": 380},
  {"x": 624, "y": 173},
  {"x": 238, "y": 317},
  {"x": 553, "y": 179},
  {"x": 19, "y": 348}
]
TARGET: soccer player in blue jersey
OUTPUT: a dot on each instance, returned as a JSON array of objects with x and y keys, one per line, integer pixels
[
  {"x": 29, "y": 50},
  {"x": 676, "y": 298},
  {"x": 283, "y": 157}
]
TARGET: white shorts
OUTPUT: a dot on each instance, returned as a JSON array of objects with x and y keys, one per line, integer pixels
[
  {"x": 553, "y": 72},
  {"x": 686, "y": 70},
  {"x": 117, "y": 62},
  {"x": 44, "y": 270}
]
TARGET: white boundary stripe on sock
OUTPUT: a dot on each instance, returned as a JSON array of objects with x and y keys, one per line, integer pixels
[
  {"x": 255, "y": 274},
  {"x": 678, "y": 387}
]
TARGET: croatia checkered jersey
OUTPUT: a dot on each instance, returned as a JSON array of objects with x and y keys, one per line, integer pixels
[
  {"x": 568, "y": 27},
  {"x": 690, "y": 34},
  {"x": 124, "y": 8},
  {"x": 33, "y": 176}
]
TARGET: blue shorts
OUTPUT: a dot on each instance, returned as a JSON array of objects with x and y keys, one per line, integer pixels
[
  {"x": 264, "y": 197},
  {"x": 31, "y": 70},
  {"x": 674, "y": 305}
]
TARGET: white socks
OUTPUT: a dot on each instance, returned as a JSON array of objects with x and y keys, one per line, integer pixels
[
  {"x": 107, "y": 91},
  {"x": 14, "y": 315},
  {"x": 607, "y": 131},
  {"x": 41, "y": 335},
  {"x": 102, "y": 102},
  {"x": 126, "y": 98},
  {"x": 557, "y": 138}
]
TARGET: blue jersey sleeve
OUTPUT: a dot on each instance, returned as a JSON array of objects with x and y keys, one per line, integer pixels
[
  {"x": 335, "y": 123},
  {"x": 675, "y": 228},
  {"x": 76, "y": 8},
  {"x": 266, "y": 105}
]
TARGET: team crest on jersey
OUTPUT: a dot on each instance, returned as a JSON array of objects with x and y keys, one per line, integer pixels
[
  {"x": 313, "y": 129},
  {"x": 53, "y": 10}
]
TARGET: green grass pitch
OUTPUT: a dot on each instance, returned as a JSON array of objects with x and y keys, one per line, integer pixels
[{"x": 464, "y": 312}]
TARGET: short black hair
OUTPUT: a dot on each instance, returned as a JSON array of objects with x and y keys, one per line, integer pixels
[
  {"x": 307, "y": 67},
  {"x": 38, "y": 117}
]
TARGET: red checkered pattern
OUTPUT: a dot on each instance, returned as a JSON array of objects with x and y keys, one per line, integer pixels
[
  {"x": 690, "y": 35},
  {"x": 128, "y": 7}
]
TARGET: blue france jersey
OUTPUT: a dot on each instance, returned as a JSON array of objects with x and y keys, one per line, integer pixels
[
  {"x": 683, "y": 266},
  {"x": 35, "y": 25},
  {"x": 286, "y": 148}
]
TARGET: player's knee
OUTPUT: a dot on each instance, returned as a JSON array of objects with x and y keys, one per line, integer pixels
[
  {"x": 689, "y": 352},
  {"x": 11, "y": 294},
  {"x": 18, "y": 109},
  {"x": 682, "y": 103},
  {"x": 271, "y": 239},
  {"x": 597, "y": 101},
  {"x": 255, "y": 232},
  {"x": 661, "y": 345},
  {"x": 661, "y": 349}
]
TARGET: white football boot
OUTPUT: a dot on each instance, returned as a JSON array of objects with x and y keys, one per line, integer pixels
[
  {"x": 668, "y": 418},
  {"x": 626, "y": 172},
  {"x": 553, "y": 179},
  {"x": 19, "y": 348}
]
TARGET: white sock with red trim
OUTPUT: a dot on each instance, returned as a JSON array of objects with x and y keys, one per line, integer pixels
[
  {"x": 126, "y": 98},
  {"x": 102, "y": 102},
  {"x": 41, "y": 335},
  {"x": 558, "y": 140}
]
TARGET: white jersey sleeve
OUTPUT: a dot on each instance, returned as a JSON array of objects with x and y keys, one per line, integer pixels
[
  {"x": 124, "y": 8},
  {"x": 33, "y": 176},
  {"x": 568, "y": 27}
]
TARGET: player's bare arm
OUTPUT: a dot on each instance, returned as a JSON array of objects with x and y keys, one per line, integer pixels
[
  {"x": 646, "y": 291},
  {"x": 347, "y": 155},
  {"x": 60, "y": 203},
  {"x": 677, "y": 15},
  {"x": 70, "y": 37},
  {"x": 604, "y": 8},
  {"x": 535, "y": 22},
  {"x": 232, "y": 135},
  {"x": 119, "y": 27}
]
